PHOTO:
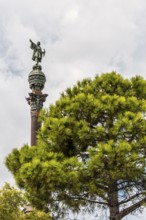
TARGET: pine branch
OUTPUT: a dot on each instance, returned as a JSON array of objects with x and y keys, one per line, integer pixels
[
  {"x": 130, "y": 198},
  {"x": 131, "y": 208}
]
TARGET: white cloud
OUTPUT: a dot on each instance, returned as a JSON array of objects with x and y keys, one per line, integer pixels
[{"x": 81, "y": 37}]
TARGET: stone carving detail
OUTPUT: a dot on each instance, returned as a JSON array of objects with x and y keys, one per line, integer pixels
[
  {"x": 36, "y": 101},
  {"x": 36, "y": 78}
]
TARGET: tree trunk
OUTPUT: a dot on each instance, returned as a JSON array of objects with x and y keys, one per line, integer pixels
[
  {"x": 113, "y": 202},
  {"x": 114, "y": 213}
]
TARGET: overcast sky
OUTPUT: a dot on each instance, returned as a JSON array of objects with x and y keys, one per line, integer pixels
[{"x": 82, "y": 38}]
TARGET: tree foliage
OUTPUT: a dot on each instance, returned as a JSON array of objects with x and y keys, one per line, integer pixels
[
  {"x": 91, "y": 149},
  {"x": 12, "y": 202}
]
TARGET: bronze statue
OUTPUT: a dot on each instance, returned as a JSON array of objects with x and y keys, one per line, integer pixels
[{"x": 37, "y": 51}]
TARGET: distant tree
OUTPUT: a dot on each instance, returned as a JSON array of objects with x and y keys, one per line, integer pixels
[
  {"x": 12, "y": 202},
  {"x": 91, "y": 149}
]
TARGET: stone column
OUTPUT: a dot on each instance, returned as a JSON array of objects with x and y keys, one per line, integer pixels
[{"x": 36, "y": 98}]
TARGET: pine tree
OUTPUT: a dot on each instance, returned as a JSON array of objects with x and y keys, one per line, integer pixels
[{"x": 90, "y": 150}]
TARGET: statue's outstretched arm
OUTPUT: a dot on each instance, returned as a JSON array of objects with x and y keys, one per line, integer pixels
[{"x": 33, "y": 45}]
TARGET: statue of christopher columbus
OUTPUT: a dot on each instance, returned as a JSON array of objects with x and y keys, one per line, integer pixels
[{"x": 37, "y": 51}]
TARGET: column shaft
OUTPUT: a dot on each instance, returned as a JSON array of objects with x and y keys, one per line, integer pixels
[{"x": 35, "y": 125}]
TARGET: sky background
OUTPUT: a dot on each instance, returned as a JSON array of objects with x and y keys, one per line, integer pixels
[{"x": 82, "y": 38}]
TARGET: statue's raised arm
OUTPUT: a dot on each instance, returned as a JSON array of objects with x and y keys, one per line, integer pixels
[
  {"x": 33, "y": 45},
  {"x": 37, "y": 51}
]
